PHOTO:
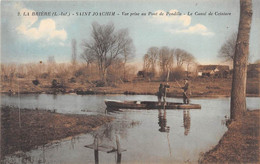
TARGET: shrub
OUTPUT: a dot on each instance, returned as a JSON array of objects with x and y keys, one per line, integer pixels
[
  {"x": 44, "y": 75},
  {"x": 72, "y": 80},
  {"x": 177, "y": 74},
  {"x": 54, "y": 83},
  {"x": 100, "y": 83},
  {"x": 36, "y": 82},
  {"x": 79, "y": 72}
]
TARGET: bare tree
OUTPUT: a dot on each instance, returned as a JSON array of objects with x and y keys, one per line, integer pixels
[
  {"x": 127, "y": 55},
  {"x": 227, "y": 50},
  {"x": 88, "y": 56},
  {"x": 51, "y": 65},
  {"x": 74, "y": 51},
  {"x": 182, "y": 56},
  {"x": 10, "y": 70},
  {"x": 238, "y": 91},
  {"x": 189, "y": 60},
  {"x": 165, "y": 61},
  {"x": 153, "y": 53},
  {"x": 150, "y": 61},
  {"x": 107, "y": 45},
  {"x": 147, "y": 63}
]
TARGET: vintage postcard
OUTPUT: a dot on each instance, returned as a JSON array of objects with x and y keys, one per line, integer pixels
[{"x": 121, "y": 81}]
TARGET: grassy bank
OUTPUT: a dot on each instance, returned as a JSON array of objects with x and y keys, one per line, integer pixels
[
  {"x": 240, "y": 144},
  {"x": 200, "y": 87},
  {"x": 39, "y": 127}
]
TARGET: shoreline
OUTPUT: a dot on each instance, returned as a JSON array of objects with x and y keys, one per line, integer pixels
[
  {"x": 40, "y": 127},
  {"x": 240, "y": 144},
  {"x": 122, "y": 93},
  {"x": 199, "y": 87}
]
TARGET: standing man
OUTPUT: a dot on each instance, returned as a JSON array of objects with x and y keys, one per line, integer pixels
[
  {"x": 160, "y": 93},
  {"x": 185, "y": 92},
  {"x": 165, "y": 91}
]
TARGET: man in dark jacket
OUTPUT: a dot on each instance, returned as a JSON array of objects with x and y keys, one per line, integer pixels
[
  {"x": 160, "y": 93},
  {"x": 165, "y": 91},
  {"x": 186, "y": 92}
]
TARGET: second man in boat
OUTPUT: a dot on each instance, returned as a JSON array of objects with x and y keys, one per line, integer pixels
[
  {"x": 162, "y": 92},
  {"x": 186, "y": 92}
]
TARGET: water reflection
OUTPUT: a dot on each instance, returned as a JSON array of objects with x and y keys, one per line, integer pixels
[
  {"x": 99, "y": 146},
  {"x": 54, "y": 96},
  {"x": 107, "y": 138},
  {"x": 186, "y": 122},
  {"x": 36, "y": 96},
  {"x": 42, "y": 156},
  {"x": 162, "y": 121}
]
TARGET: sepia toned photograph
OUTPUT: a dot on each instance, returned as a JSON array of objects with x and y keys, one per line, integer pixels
[{"x": 130, "y": 82}]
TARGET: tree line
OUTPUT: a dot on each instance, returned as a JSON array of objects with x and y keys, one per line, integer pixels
[
  {"x": 165, "y": 60},
  {"x": 108, "y": 47}
]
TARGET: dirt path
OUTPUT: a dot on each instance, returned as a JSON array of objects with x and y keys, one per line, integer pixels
[
  {"x": 240, "y": 144},
  {"x": 39, "y": 127}
]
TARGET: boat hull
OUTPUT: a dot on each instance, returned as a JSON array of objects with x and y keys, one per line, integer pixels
[{"x": 148, "y": 105}]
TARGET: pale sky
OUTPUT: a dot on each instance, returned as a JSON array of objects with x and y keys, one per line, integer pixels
[{"x": 35, "y": 38}]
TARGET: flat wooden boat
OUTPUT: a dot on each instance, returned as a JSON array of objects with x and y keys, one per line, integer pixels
[{"x": 115, "y": 104}]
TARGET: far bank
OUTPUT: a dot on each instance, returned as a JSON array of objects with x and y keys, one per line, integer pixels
[{"x": 200, "y": 87}]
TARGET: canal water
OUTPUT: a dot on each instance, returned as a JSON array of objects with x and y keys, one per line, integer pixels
[{"x": 147, "y": 136}]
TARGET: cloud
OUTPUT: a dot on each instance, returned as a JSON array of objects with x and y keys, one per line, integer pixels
[
  {"x": 196, "y": 29},
  {"x": 170, "y": 17},
  {"x": 46, "y": 29},
  {"x": 27, "y": 21},
  {"x": 177, "y": 23}
]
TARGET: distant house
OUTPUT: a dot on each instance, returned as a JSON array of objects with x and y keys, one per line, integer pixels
[
  {"x": 253, "y": 70},
  {"x": 221, "y": 71}
]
